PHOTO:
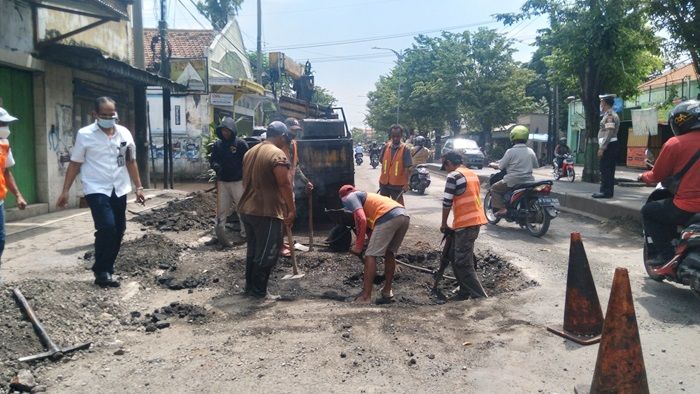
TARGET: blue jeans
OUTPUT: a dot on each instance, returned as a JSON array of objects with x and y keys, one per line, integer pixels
[
  {"x": 109, "y": 215},
  {"x": 2, "y": 228}
]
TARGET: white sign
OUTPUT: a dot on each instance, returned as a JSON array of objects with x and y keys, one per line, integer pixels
[
  {"x": 644, "y": 121},
  {"x": 222, "y": 100}
]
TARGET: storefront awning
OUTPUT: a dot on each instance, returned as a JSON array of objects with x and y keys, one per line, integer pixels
[
  {"x": 110, "y": 9},
  {"x": 92, "y": 60}
]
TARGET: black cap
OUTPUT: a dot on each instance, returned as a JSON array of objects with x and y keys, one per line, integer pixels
[
  {"x": 292, "y": 124},
  {"x": 453, "y": 157},
  {"x": 276, "y": 129}
]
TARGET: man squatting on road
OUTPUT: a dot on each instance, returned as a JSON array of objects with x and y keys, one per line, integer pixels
[
  {"x": 227, "y": 162},
  {"x": 388, "y": 222},
  {"x": 104, "y": 155},
  {"x": 266, "y": 203},
  {"x": 463, "y": 198}
]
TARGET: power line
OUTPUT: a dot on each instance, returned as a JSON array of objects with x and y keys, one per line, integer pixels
[{"x": 378, "y": 38}]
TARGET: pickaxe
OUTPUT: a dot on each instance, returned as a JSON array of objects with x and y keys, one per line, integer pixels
[{"x": 54, "y": 352}]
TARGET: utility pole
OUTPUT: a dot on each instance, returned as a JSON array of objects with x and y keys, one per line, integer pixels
[
  {"x": 258, "y": 68},
  {"x": 165, "y": 73},
  {"x": 140, "y": 116}
]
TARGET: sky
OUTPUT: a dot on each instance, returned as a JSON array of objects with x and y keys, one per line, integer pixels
[{"x": 319, "y": 31}]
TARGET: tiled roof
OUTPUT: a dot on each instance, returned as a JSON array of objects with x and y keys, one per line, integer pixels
[
  {"x": 183, "y": 43},
  {"x": 672, "y": 77}
]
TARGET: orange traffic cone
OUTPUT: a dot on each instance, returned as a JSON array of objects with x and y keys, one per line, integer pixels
[
  {"x": 620, "y": 364},
  {"x": 583, "y": 317}
]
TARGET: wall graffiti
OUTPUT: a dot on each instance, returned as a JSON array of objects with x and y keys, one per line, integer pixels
[
  {"x": 184, "y": 148},
  {"x": 61, "y": 136}
]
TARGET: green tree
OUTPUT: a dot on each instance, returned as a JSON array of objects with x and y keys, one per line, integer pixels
[
  {"x": 358, "y": 135},
  {"x": 323, "y": 97},
  {"x": 681, "y": 18},
  {"x": 607, "y": 45},
  {"x": 218, "y": 12}
]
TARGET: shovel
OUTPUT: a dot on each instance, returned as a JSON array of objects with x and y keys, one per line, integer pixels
[
  {"x": 295, "y": 268},
  {"x": 311, "y": 222}
]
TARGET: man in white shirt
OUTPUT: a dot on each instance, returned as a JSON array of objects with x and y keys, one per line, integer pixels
[{"x": 104, "y": 155}]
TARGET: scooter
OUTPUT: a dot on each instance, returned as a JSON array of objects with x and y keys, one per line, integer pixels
[
  {"x": 528, "y": 204},
  {"x": 567, "y": 168},
  {"x": 358, "y": 158},
  {"x": 374, "y": 159},
  {"x": 420, "y": 179},
  {"x": 684, "y": 267}
]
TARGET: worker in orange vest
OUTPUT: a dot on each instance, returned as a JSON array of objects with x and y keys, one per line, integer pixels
[
  {"x": 463, "y": 198},
  {"x": 396, "y": 163},
  {"x": 388, "y": 222},
  {"x": 295, "y": 172}
]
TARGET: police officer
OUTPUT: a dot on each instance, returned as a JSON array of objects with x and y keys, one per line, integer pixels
[{"x": 607, "y": 145}]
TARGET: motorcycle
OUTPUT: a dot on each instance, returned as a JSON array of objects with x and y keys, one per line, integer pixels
[
  {"x": 358, "y": 158},
  {"x": 567, "y": 168},
  {"x": 420, "y": 179},
  {"x": 684, "y": 267},
  {"x": 528, "y": 204},
  {"x": 374, "y": 159}
]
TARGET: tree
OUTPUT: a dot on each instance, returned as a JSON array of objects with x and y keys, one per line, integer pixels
[
  {"x": 681, "y": 18},
  {"x": 218, "y": 11},
  {"x": 607, "y": 45},
  {"x": 323, "y": 97},
  {"x": 358, "y": 135}
]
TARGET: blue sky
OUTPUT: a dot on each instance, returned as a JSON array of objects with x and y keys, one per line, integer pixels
[{"x": 350, "y": 71}]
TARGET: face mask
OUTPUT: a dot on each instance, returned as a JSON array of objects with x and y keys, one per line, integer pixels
[
  {"x": 4, "y": 131},
  {"x": 106, "y": 123}
]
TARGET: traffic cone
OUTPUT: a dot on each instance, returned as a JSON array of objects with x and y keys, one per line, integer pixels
[
  {"x": 583, "y": 317},
  {"x": 620, "y": 364}
]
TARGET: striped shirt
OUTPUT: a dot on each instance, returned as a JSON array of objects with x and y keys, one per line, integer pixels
[{"x": 455, "y": 185}]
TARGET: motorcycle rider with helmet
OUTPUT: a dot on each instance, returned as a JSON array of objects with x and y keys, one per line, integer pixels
[
  {"x": 419, "y": 153},
  {"x": 661, "y": 217},
  {"x": 518, "y": 162},
  {"x": 560, "y": 151}
]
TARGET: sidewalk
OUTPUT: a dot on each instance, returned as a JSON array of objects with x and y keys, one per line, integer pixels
[{"x": 576, "y": 196}]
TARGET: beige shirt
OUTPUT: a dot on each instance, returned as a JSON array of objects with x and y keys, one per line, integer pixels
[
  {"x": 261, "y": 193},
  {"x": 609, "y": 125}
]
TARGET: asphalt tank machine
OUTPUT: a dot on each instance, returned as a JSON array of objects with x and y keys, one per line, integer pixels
[{"x": 324, "y": 146}]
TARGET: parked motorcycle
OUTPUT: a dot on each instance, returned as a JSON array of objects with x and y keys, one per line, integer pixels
[
  {"x": 374, "y": 159},
  {"x": 684, "y": 267},
  {"x": 528, "y": 204},
  {"x": 420, "y": 179},
  {"x": 358, "y": 158},
  {"x": 566, "y": 169}
]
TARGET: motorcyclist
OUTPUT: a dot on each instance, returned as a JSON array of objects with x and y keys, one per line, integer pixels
[
  {"x": 518, "y": 163},
  {"x": 359, "y": 149},
  {"x": 374, "y": 148},
  {"x": 419, "y": 153},
  {"x": 560, "y": 151},
  {"x": 661, "y": 217}
]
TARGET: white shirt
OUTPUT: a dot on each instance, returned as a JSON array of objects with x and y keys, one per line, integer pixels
[
  {"x": 359, "y": 149},
  {"x": 99, "y": 154}
]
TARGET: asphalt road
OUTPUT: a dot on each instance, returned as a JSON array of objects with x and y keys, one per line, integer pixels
[{"x": 668, "y": 315}]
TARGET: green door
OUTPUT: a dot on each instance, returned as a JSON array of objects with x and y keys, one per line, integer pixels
[{"x": 16, "y": 96}]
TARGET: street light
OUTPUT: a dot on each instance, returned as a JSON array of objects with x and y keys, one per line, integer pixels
[{"x": 399, "y": 57}]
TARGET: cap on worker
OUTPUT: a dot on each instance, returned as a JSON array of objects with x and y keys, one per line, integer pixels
[
  {"x": 451, "y": 156},
  {"x": 345, "y": 190},
  {"x": 276, "y": 129},
  {"x": 292, "y": 124},
  {"x": 5, "y": 116},
  {"x": 608, "y": 98}
]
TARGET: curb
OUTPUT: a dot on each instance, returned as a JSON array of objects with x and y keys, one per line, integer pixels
[{"x": 595, "y": 209}]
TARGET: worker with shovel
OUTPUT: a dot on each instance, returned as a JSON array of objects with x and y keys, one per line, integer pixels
[
  {"x": 462, "y": 197},
  {"x": 388, "y": 222},
  {"x": 266, "y": 205}
]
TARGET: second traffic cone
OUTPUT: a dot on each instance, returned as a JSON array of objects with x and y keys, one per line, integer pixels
[
  {"x": 583, "y": 317},
  {"x": 620, "y": 365}
]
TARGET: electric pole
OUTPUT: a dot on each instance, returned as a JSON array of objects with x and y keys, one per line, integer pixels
[
  {"x": 258, "y": 68},
  {"x": 165, "y": 73}
]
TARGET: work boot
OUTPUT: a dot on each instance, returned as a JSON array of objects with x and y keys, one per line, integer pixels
[{"x": 105, "y": 279}]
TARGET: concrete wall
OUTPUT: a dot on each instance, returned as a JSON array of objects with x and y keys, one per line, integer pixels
[
  {"x": 189, "y": 136},
  {"x": 16, "y": 26}
]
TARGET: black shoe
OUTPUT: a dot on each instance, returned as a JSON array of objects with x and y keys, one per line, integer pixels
[
  {"x": 105, "y": 279},
  {"x": 601, "y": 195}
]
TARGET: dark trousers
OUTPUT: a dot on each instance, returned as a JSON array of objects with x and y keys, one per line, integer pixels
[
  {"x": 607, "y": 168},
  {"x": 660, "y": 221},
  {"x": 264, "y": 243},
  {"x": 462, "y": 255},
  {"x": 109, "y": 215}
]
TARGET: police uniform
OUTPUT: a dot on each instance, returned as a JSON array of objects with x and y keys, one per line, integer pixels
[{"x": 607, "y": 142}]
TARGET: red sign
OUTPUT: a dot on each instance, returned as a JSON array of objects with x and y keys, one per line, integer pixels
[{"x": 636, "y": 157}]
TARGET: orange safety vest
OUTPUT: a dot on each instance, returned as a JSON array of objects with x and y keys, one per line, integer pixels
[
  {"x": 467, "y": 208},
  {"x": 393, "y": 171},
  {"x": 4, "y": 152},
  {"x": 376, "y": 206}
]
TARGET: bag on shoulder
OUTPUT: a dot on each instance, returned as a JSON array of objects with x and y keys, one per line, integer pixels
[{"x": 673, "y": 182}]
